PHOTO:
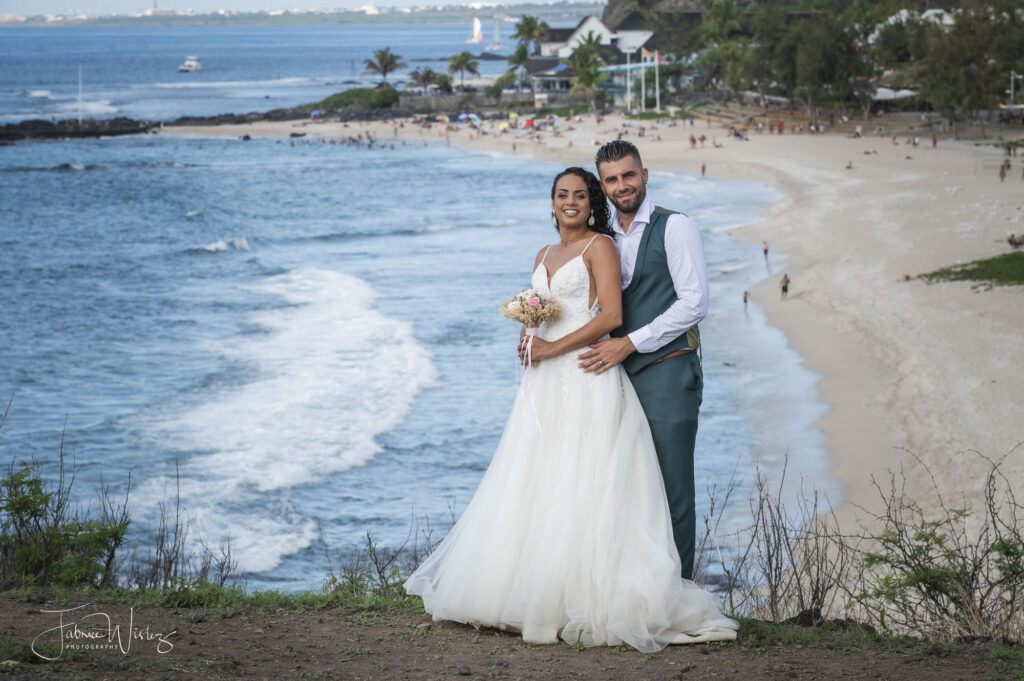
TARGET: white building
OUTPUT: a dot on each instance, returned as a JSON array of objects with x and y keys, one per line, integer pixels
[{"x": 561, "y": 42}]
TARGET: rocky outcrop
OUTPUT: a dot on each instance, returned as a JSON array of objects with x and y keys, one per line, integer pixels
[{"x": 41, "y": 129}]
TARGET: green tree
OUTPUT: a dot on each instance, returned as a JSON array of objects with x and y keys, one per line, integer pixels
[
  {"x": 444, "y": 84},
  {"x": 649, "y": 10},
  {"x": 384, "y": 62},
  {"x": 530, "y": 30},
  {"x": 892, "y": 45},
  {"x": 720, "y": 18},
  {"x": 463, "y": 62},
  {"x": 423, "y": 78},
  {"x": 517, "y": 63},
  {"x": 959, "y": 75},
  {"x": 586, "y": 64},
  {"x": 496, "y": 88}
]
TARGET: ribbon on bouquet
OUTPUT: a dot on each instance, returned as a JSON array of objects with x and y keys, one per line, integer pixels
[{"x": 526, "y": 363}]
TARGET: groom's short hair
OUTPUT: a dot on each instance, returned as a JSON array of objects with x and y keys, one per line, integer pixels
[{"x": 616, "y": 150}]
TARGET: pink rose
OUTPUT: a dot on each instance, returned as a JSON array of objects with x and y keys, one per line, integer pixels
[{"x": 533, "y": 302}]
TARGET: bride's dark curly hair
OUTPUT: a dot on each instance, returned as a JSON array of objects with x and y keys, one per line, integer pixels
[{"x": 598, "y": 203}]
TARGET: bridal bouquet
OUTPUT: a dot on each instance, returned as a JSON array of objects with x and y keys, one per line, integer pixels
[{"x": 530, "y": 309}]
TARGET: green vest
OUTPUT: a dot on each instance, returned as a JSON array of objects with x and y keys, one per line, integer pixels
[{"x": 651, "y": 292}]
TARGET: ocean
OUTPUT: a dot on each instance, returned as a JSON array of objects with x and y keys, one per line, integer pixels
[{"x": 304, "y": 338}]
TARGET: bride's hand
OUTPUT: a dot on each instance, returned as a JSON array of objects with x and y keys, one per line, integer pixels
[{"x": 541, "y": 349}]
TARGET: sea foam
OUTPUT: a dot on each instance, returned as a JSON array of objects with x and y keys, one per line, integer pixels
[{"x": 332, "y": 375}]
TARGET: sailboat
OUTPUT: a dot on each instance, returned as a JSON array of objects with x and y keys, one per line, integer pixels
[
  {"x": 478, "y": 32},
  {"x": 496, "y": 45}
]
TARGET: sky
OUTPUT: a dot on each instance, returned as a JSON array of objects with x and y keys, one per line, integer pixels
[{"x": 34, "y": 7}]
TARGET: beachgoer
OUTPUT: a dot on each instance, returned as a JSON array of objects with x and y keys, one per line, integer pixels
[
  {"x": 568, "y": 535},
  {"x": 745, "y": 296},
  {"x": 784, "y": 284},
  {"x": 703, "y": 169},
  {"x": 764, "y": 247}
]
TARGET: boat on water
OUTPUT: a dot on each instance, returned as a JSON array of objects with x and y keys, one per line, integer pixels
[
  {"x": 496, "y": 45},
  {"x": 478, "y": 32},
  {"x": 190, "y": 64}
]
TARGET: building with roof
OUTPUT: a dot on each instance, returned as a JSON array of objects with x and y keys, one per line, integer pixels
[{"x": 548, "y": 72}]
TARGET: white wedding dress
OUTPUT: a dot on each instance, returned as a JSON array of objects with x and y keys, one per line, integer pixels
[{"x": 568, "y": 534}]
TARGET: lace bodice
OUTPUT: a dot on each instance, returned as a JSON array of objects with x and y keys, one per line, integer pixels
[{"x": 570, "y": 286}]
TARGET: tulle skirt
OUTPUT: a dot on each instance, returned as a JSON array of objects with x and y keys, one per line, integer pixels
[{"x": 568, "y": 535}]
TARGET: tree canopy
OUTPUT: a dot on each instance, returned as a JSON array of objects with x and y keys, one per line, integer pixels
[{"x": 384, "y": 62}]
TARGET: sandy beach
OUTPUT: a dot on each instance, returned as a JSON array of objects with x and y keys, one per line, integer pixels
[{"x": 935, "y": 370}]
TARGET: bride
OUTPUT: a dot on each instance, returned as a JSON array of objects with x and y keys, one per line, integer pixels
[{"x": 568, "y": 535}]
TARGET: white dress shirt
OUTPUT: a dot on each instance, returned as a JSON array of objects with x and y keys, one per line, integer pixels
[{"x": 684, "y": 250}]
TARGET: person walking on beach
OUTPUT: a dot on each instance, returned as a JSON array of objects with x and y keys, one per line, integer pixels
[
  {"x": 664, "y": 297},
  {"x": 764, "y": 247},
  {"x": 784, "y": 284}
]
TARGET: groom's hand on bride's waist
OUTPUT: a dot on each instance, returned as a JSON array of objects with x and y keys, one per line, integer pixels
[{"x": 603, "y": 355}]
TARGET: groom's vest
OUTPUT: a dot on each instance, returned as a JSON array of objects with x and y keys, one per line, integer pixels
[{"x": 651, "y": 292}]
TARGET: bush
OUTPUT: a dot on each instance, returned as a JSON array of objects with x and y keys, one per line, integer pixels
[
  {"x": 495, "y": 88},
  {"x": 44, "y": 541},
  {"x": 952, "y": 573},
  {"x": 363, "y": 97}
]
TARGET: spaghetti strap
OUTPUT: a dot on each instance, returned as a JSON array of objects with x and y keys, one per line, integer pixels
[
  {"x": 588, "y": 243},
  {"x": 545, "y": 256}
]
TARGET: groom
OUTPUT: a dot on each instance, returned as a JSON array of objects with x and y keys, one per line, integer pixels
[{"x": 664, "y": 296}]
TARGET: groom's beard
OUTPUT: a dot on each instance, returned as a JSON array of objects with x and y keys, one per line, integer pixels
[{"x": 630, "y": 204}]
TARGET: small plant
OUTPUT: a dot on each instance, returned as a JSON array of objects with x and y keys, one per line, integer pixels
[
  {"x": 957, "y": 573},
  {"x": 45, "y": 541}
]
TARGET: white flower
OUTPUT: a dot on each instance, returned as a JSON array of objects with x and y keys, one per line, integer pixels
[{"x": 514, "y": 307}]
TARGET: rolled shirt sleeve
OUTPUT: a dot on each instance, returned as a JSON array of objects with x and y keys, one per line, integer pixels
[{"x": 684, "y": 251}]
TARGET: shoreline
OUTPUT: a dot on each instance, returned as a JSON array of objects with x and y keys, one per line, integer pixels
[{"x": 905, "y": 366}]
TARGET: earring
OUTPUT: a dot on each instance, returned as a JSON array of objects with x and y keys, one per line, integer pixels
[
  {"x": 554, "y": 219},
  {"x": 591, "y": 220}
]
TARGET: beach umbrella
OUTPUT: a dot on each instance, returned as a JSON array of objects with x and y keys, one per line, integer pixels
[{"x": 513, "y": 115}]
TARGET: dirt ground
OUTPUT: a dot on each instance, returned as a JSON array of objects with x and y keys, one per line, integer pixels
[{"x": 357, "y": 645}]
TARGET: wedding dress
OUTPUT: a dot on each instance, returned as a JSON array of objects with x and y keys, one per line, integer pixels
[{"x": 568, "y": 534}]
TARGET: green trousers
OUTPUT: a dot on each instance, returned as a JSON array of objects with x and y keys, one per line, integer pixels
[{"x": 671, "y": 393}]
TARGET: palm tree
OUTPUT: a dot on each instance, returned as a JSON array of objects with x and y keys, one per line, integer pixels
[
  {"x": 444, "y": 83},
  {"x": 530, "y": 29},
  {"x": 720, "y": 18},
  {"x": 586, "y": 63},
  {"x": 462, "y": 62},
  {"x": 423, "y": 79},
  {"x": 517, "y": 62},
  {"x": 384, "y": 62}
]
